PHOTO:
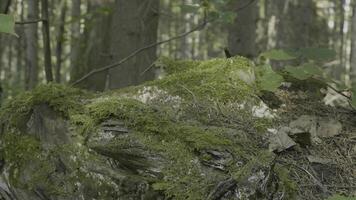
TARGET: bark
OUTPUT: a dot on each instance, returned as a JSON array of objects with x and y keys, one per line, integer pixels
[
  {"x": 296, "y": 24},
  {"x": 46, "y": 41},
  {"x": 353, "y": 45},
  {"x": 185, "y": 46},
  {"x": 4, "y": 6},
  {"x": 75, "y": 35},
  {"x": 340, "y": 39},
  {"x": 31, "y": 73},
  {"x": 242, "y": 33},
  {"x": 134, "y": 26},
  {"x": 96, "y": 53},
  {"x": 60, "y": 39}
]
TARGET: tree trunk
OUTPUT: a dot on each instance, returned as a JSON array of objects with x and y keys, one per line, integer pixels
[
  {"x": 60, "y": 39},
  {"x": 96, "y": 53},
  {"x": 186, "y": 17},
  {"x": 4, "y": 6},
  {"x": 297, "y": 25},
  {"x": 242, "y": 33},
  {"x": 46, "y": 41},
  {"x": 135, "y": 24},
  {"x": 31, "y": 46},
  {"x": 353, "y": 45},
  {"x": 75, "y": 35}
]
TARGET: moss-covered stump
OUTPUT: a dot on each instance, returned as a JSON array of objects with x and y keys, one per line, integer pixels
[{"x": 198, "y": 133}]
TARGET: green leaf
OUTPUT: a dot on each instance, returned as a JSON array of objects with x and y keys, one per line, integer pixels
[
  {"x": 304, "y": 71},
  {"x": 279, "y": 54},
  {"x": 7, "y": 24},
  {"x": 269, "y": 80},
  {"x": 297, "y": 72},
  {"x": 312, "y": 69},
  {"x": 318, "y": 54},
  {"x": 190, "y": 8}
]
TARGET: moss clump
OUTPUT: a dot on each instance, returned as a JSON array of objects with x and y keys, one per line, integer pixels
[
  {"x": 171, "y": 66},
  {"x": 180, "y": 142},
  {"x": 215, "y": 79},
  {"x": 287, "y": 185},
  {"x": 61, "y": 98},
  {"x": 19, "y": 149}
]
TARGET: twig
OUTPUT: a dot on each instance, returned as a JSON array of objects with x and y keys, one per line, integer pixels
[
  {"x": 316, "y": 181},
  {"x": 148, "y": 68},
  {"x": 193, "y": 95},
  {"x": 344, "y": 95},
  {"x": 30, "y": 21},
  {"x": 199, "y": 27}
]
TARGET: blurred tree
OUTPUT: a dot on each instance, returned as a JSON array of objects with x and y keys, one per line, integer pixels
[
  {"x": 296, "y": 24},
  {"x": 353, "y": 45},
  {"x": 134, "y": 26},
  {"x": 60, "y": 40},
  {"x": 242, "y": 33},
  {"x": 94, "y": 44},
  {"x": 31, "y": 31},
  {"x": 75, "y": 36}
]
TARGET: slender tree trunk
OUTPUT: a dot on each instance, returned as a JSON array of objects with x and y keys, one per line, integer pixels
[
  {"x": 46, "y": 41},
  {"x": 242, "y": 33},
  {"x": 353, "y": 45},
  {"x": 4, "y": 6},
  {"x": 21, "y": 57},
  {"x": 75, "y": 35},
  {"x": 96, "y": 53},
  {"x": 340, "y": 36},
  {"x": 134, "y": 26},
  {"x": 31, "y": 73},
  {"x": 60, "y": 39},
  {"x": 185, "y": 51}
]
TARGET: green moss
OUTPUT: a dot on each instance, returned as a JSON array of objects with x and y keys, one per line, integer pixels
[
  {"x": 83, "y": 123},
  {"x": 61, "y": 98},
  {"x": 287, "y": 185},
  {"x": 262, "y": 160},
  {"x": 214, "y": 79},
  {"x": 171, "y": 66},
  {"x": 182, "y": 141},
  {"x": 176, "y": 140},
  {"x": 19, "y": 149}
]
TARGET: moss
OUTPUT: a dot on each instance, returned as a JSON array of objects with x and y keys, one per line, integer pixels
[
  {"x": 171, "y": 66},
  {"x": 83, "y": 124},
  {"x": 262, "y": 160},
  {"x": 181, "y": 140},
  {"x": 19, "y": 149},
  {"x": 215, "y": 79},
  {"x": 61, "y": 98},
  {"x": 287, "y": 185}
]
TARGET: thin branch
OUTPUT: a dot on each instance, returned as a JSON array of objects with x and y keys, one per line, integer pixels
[
  {"x": 246, "y": 5},
  {"x": 197, "y": 28},
  {"x": 30, "y": 21}
]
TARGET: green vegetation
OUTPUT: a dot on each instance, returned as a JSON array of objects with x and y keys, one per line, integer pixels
[{"x": 183, "y": 143}]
